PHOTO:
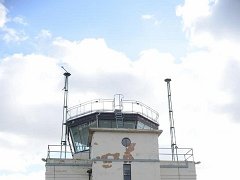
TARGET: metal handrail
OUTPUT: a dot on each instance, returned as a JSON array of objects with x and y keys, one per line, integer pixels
[
  {"x": 107, "y": 105},
  {"x": 184, "y": 154},
  {"x": 57, "y": 153}
]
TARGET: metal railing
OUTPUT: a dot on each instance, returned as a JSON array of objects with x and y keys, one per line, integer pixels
[
  {"x": 183, "y": 154},
  {"x": 54, "y": 151},
  {"x": 107, "y": 105}
]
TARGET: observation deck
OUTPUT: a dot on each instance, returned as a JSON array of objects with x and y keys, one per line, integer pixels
[
  {"x": 110, "y": 106},
  {"x": 108, "y": 113}
]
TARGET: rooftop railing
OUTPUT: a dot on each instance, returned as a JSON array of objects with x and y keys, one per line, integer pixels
[
  {"x": 164, "y": 154},
  {"x": 183, "y": 154},
  {"x": 107, "y": 105},
  {"x": 56, "y": 151}
]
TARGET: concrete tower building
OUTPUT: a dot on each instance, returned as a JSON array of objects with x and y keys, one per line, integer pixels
[{"x": 115, "y": 139}]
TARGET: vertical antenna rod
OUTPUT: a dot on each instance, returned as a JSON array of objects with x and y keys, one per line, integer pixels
[
  {"x": 65, "y": 109},
  {"x": 171, "y": 120}
]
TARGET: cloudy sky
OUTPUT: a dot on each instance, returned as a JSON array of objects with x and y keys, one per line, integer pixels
[{"x": 126, "y": 47}]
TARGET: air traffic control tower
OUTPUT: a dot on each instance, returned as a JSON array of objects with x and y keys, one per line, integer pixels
[{"x": 115, "y": 139}]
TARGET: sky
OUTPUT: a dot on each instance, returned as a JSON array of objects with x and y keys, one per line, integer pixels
[{"x": 126, "y": 47}]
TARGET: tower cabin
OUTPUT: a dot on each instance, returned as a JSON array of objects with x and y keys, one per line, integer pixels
[{"x": 115, "y": 139}]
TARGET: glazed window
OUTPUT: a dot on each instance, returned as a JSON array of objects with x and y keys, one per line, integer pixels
[
  {"x": 79, "y": 136},
  {"x": 126, "y": 171},
  {"x": 129, "y": 124}
]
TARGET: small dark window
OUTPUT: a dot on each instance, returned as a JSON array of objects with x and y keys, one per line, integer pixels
[
  {"x": 126, "y": 142},
  {"x": 126, "y": 171}
]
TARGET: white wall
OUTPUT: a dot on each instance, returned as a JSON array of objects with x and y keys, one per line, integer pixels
[
  {"x": 108, "y": 153},
  {"x": 109, "y": 141},
  {"x": 65, "y": 169},
  {"x": 182, "y": 173}
]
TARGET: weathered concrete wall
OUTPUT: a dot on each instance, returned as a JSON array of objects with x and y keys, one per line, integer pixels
[
  {"x": 65, "y": 169},
  {"x": 178, "y": 171},
  {"x": 139, "y": 171},
  {"x": 109, "y": 155},
  {"x": 57, "y": 169},
  {"x": 145, "y": 171},
  {"x": 144, "y": 143},
  {"x": 82, "y": 155}
]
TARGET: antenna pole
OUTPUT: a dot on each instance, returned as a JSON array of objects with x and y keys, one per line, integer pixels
[
  {"x": 64, "y": 136},
  {"x": 171, "y": 120}
]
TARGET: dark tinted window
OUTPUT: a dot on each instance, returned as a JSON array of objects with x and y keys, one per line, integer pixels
[{"x": 126, "y": 171}]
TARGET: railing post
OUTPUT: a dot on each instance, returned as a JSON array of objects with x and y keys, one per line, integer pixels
[
  {"x": 48, "y": 155},
  {"x": 91, "y": 106}
]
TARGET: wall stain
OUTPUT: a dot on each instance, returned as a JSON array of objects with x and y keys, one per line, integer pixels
[
  {"x": 108, "y": 164},
  {"x": 127, "y": 154}
]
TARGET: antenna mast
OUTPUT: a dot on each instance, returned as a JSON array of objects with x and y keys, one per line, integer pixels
[
  {"x": 64, "y": 136},
  {"x": 171, "y": 120}
]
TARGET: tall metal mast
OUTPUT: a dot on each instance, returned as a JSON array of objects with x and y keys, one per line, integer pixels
[
  {"x": 64, "y": 136},
  {"x": 171, "y": 120}
]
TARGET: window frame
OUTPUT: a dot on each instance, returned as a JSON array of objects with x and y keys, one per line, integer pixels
[{"x": 127, "y": 174}]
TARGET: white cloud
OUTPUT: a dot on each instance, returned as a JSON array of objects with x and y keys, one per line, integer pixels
[
  {"x": 206, "y": 21},
  {"x": 31, "y": 102},
  {"x": 4, "y": 19},
  {"x": 44, "y": 34},
  {"x": 32, "y": 69},
  {"x": 223, "y": 22},
  {"x": 219, "y": 52},
  {"x": 12, "y": 35},
  {"x": 192, "y": 10},
  {"x": 147, "y": 16},
  {"x": 29, "y": 176},
  {"x": 12, "y": 140},
  {"x": 151, "y": 18},
  {"x": 215, "y": 80},
  {"x": 80, "y": 55},
  {"x": 3, "y": 15},
  {"x": 20, "y": 20},
  {"x": 98, "y": 71},
  {"x": 43, "y": 42}
]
